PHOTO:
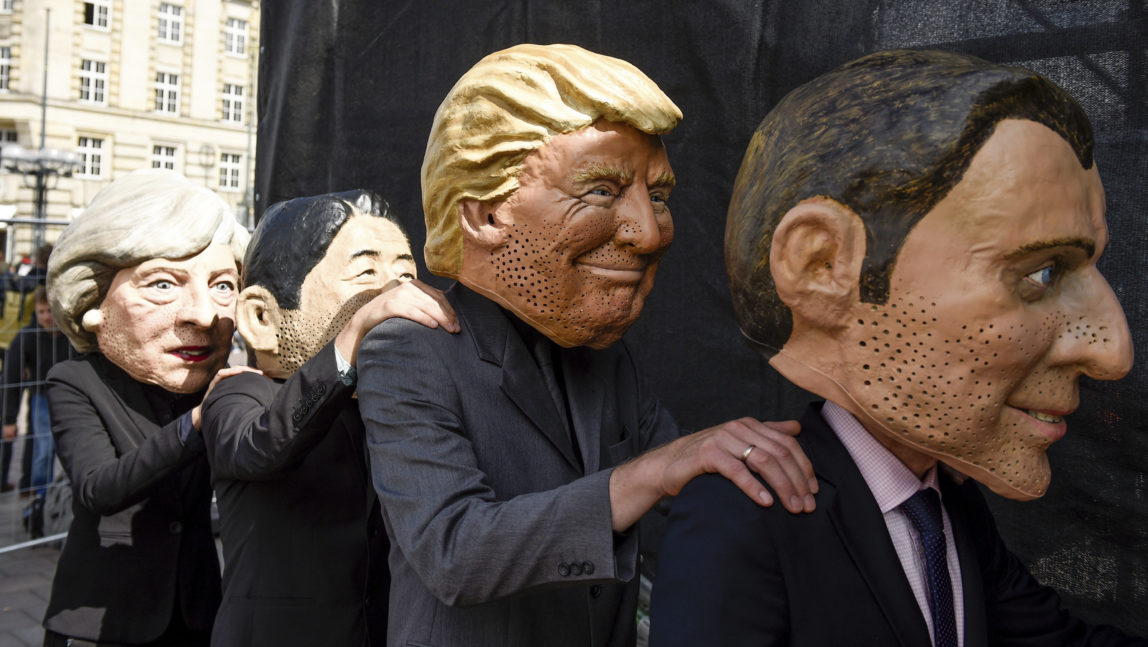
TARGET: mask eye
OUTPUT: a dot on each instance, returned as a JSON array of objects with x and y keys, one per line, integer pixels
[
  {"x": 1042, "y": 277},
  {"x": 1036, "y": 284}
]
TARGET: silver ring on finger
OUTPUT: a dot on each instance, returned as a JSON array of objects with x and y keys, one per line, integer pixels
[{"x": 745, "y": 454}]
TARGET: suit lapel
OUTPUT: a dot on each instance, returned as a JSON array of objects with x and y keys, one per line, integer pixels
[
  {"x": 861, "y": 528},
  {"x": 976, "y": 624},
  {"x": 497, "y": 342}
]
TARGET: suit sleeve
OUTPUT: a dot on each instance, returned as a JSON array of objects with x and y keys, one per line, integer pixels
[
  {"x": 1021, "y": 611},
  {"x": 466, "y": 544},
  {"x": 102, "y": 480},
  {"x": 719, "y": 575},
  {"x": 255, "y": 429}
]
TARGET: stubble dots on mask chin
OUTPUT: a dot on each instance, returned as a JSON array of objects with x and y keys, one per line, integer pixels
[{"x": 932, "y": 388}]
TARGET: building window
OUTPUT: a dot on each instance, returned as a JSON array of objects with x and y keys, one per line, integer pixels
[
  {"x": 163, "y": 157},
  {"x": 166, "y": 92},
  {"x": 5, "y": 68},
  {"x": 91, "y": 152},
  {"x": 233, "y": 103},
  {"x": 8, "y": 136},
  {"x": 229, "y": 171},
  {"x": 5, "y": 6},
  {"x": 170, "y": 23},
  {"x": 235, "y": 37},
  {"x": 96, "y": 13},
  {"x": 93, "y": 80}
]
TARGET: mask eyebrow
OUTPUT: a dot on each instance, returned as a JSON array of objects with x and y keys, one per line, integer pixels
[
  {"x": 405, "y": 257},
  {"x": 598, "y": 171},
  {"x": 665, "y": 179},
  {"x": 1085, "y": 244},
  {"x": 365, "y": 252}
]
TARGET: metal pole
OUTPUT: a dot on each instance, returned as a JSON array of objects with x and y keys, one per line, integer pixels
[
  {"x": 44, "y": 98},
  {"x": 41, "y": 188},
  {"x": 249, "y": 193}
]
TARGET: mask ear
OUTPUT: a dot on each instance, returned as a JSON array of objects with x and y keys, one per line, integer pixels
[
  {"x": 257, "y": 317},
  {"x": 484, "y": 224},
  {"x": 815, "y": 259}
]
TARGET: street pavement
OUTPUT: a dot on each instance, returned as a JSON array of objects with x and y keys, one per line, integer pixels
[
  {"x": 25, "y": 581},
  {"x": 25, "y": 571}
]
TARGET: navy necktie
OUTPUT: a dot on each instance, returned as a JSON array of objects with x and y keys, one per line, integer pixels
[{"x": 924, "y": 510}]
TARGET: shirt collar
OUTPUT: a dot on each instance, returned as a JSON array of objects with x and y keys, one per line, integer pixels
[{"x": 890, "y": 481}]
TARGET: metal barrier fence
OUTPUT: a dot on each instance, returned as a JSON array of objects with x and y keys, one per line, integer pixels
[{"x": 27, "y": 518}]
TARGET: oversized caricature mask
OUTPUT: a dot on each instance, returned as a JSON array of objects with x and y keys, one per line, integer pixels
[
  {"x": 950, "y": 299},
  {"x": 312, "y": 263},
  {"x": 545, "y": 188},
  {"x": 148, "y": 276}
]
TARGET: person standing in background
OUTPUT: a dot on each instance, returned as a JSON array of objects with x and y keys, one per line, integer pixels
[{"x": 35, "y": 349}]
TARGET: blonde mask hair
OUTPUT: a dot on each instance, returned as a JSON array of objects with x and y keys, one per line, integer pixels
[{"x": 509, "y": 104}]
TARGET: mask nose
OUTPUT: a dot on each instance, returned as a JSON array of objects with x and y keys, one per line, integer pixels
[
  {"x": 638, "y": 222},
  {"x": 197, "y": 308},
  {"x": 1096, "y": 336}
]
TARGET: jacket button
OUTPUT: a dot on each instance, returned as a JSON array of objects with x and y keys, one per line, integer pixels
[
  {"x": 595, "y": 591},
  {"x": 175, "y": 527},
  {"x": 588, "y": 568},
  {"x": 564, "y": 569},
  {"x": 575, "y": 569}
]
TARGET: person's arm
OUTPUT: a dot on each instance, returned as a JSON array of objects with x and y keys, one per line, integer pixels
[
  {"x": 13, "y": 383},
  {"x": 103, "y": 481},
  {"x": 255, "y": 431},
  {"x": 720, "y": 579},
  {"x": 639, "y": 484}
]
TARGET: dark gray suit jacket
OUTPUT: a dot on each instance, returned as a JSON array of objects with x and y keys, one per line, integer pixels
[
  {"x": 303, "y": 543},
  {"x": 499, "y": 536},
  {"x": 735, "y": 574}
]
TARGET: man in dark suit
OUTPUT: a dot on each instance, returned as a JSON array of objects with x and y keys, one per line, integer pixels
[
  {"x": 513, "y": 460},
  {"x": 914, "y": 238},
  {"x": 303, "y": 542}
]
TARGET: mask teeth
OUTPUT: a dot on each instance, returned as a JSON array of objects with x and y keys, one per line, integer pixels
[{"x": 1044, "y": 416}]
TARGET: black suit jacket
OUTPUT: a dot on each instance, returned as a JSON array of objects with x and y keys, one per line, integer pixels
[
  {"x": 140, "y": 543},
  {"x": 501, "y": 532},
  {"x": 733, "y": 573},
  {"x": 304, "y": 548}
]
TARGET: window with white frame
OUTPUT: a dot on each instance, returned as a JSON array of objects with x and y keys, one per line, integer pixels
[
  {"x": 229, "y": 171},
  {"x": 166, "y": 92},
  {"x": 233, "y": 102},
  {"x": 235, "y": 36},
  {"x": 91, "y": 152},
  {"x": 5, "y": 6},
  {"x": 96, "y": 13},
  {"x": 163, "y": 157},
  {"x": 5, "y": 68},
  {"x": 93, "y": 80},
  {"x": 8, "y": 136},
  {"x": 170, "y": 23}
]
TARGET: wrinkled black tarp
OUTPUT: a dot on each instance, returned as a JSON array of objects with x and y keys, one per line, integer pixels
[{"x": 348, "y": 89}]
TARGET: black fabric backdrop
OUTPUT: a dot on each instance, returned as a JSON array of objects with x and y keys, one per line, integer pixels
[{"x": 348, "y": 89}]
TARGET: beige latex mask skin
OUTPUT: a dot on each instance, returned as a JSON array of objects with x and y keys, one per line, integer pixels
[
  {"x": 573, "y": 251},
  {"x": 995, "y": 309},
  {"x": 169, "y": 322},
  {"x": 367, "y": 254}
]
